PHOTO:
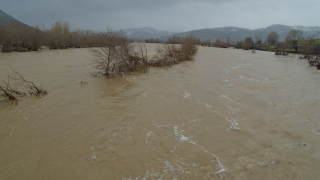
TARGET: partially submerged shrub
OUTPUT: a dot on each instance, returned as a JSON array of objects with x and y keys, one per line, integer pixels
[
  {"x": 174, "y": 54},
  {"x": 118, "y": 56},
  {"x": 168, "y": 55},
  {"x": 8, "y": 92},
  {"x": 33, "y": 89}
]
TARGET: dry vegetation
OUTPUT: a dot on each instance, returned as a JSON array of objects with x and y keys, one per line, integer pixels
[
  {"x": 15, "y": 37},
  {"x": 118, "y": 56},
  {"x": 7, "y": 91}
]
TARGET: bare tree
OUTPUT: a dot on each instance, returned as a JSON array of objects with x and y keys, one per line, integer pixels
[
  {"x": 273, "y": 38},
  {"x": 219, "y": 43},
  {"x": 293, "y": 37},
  {"x": 238, "y": 44},
  {"x": 107, "y": 57},
  {"x": 117, "y": 55},
  {"x": 57, "y": 36},
  {"x": 308, "y": 48},
  {"x": 247, "y": 43}
]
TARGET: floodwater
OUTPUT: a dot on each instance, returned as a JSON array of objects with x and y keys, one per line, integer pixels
[{"x": 230, "y": 114}]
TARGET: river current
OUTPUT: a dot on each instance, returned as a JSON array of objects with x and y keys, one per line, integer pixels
[{"x": 229, "y": 114}]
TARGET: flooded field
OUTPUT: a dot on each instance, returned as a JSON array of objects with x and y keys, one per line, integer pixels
[{"x": 230, "y": 114}]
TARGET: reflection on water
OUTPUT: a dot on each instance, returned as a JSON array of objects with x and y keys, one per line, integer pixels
[{"x": 230, "y": 114}]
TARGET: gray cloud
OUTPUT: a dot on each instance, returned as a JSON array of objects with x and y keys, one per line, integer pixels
[{"x": 178, "y": 15}]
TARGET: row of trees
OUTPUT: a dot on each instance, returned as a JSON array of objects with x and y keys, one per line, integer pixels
[
  {"x": 15, "y": 37},
  {"x": 292, "y": 41}
]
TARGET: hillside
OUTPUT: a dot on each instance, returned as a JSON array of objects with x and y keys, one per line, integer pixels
[
  {"x": 145, "y": 33},
  {"x": 236, "y": 33},
  {"x": 6, "y": 19}
]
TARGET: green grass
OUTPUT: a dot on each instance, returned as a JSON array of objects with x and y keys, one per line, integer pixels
[
  {"x": 291, "y": 50},
  {"x": 269, "y": 48},
  {"x": 307, "y": 41}
]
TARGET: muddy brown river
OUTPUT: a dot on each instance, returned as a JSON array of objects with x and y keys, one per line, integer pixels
[{"x": 230, "y": 114}]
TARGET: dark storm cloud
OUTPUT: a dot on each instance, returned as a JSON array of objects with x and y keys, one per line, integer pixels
[{"x": 179, "y": 15}]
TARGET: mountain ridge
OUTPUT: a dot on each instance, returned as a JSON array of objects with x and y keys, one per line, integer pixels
[{"x": 236, "y": 33}]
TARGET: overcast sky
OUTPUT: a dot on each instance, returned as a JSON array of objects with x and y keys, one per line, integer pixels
[{"x": 169, "y": 15}]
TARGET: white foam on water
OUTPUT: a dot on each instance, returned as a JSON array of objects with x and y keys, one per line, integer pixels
[
  {"x": 253, "y": 80},
  {"x": 234, "y": 123},
  {"x": 149, "y": 137},
  {"x": 313, "y": 131},
  {"x": 93, "y": 155},
  {"x": 145, "y": 94},
  {"x": 207, "y": 105},
  {"x": 156, "y": 125},
  {"x": 188, "y": 123},
  {"x": 187, "y": 95},
  {"x": 112, "y": 140},
  {"x": 229, "y": 99},
  {"x": 286, "y": 116},
  {"x": 178, "y": 166},
  {"x": 181, "y": 139}
]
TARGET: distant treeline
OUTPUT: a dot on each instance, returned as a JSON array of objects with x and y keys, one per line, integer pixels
[
  {"x": 15, "y": 37},
  {"x": 207, "y": 42},
  {"x": 294, "y": 43}
]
